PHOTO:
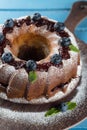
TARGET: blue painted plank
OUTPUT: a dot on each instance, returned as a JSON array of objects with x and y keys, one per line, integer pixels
[
  {"x": 36, "y": 4},
  {"x": 81, "y": 30},
  {"x": 81, "y": 126},
  {"x": 81, "y": 35},
  {"x": 54, "y": 14},
  {"x": 83, "y": 24},
  {"x": 57, "y": 15}
]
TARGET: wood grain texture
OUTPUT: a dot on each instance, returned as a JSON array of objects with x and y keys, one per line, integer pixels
[
  {"x": 14, "y": 116},
  {"x": 78, "y": 12},
  {"x": 24, "y": 117}
]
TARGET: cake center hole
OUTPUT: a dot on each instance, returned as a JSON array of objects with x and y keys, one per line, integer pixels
[{"x": 33, "y": 47}]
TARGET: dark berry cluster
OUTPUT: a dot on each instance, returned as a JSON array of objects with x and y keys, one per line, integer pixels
[{"x": 2, "y": 38}]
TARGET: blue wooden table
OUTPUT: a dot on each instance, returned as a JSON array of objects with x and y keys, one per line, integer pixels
[{"x": 58, "y": 10}]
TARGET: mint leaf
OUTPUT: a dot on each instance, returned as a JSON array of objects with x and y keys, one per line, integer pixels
[
  {"x": 71, "y": 105},
  {"x": 52, "y": 111},
  {"x": 73, "y": 48},
  {"x": 32, "y": 76}
]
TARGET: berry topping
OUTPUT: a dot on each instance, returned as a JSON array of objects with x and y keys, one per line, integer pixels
[
  {"x": 36, "y": 16},
  {"x": 56, "y": 59},
  {"x": 7, "y": 57},
  {"x": 9, "y": 23},
  {"x": 63, "y": 107},
  {"x": 65, "y": 41},
  {"x": 28, "y": 20},
  {"x": 31, "y": 65},
  {"x": 1, "y": 38},
  {"x": 59, "y": 26}
]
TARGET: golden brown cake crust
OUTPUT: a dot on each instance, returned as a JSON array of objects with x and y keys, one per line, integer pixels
[
  {"x": 17, "y": 84},
  {"x": 37, "y": 89},
  {"x": 49, "y": 79}
]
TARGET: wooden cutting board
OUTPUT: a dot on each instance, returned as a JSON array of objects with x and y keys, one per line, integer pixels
[{"x": 15, "y": 116}]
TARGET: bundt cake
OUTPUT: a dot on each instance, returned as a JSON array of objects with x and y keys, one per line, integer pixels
[{"x": 39, "y": 60}]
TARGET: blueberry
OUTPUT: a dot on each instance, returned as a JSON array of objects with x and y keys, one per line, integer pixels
[
  {"x": 7, "y": 57},
  {"x": 65, "y": 41},
  {"x": 56, "y": 59},
  {"x": 59, "y": 26},
  {"x": 31, "y": 65},
  {"x": 63, "y": 107},
  {"x": 9, "y": 23},
  {"x": 36, "y": 16},
  {"x": 1, "y": 38}
]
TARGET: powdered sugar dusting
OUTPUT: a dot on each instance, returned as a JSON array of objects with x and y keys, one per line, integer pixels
[
  {"x": 18, "y": 116},
  {"x": 53, "y": 38},
  {"x": 57, "y": 96}
]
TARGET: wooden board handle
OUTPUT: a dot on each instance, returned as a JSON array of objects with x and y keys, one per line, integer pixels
[{"x": 78, "y": 12}]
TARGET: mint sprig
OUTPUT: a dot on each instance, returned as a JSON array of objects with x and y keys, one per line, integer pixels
[
  {"x": 52, "y": 111},
  {"x": 32, "y": 76},
  {"x": 71, "y": 105},
  {"x": 55, "y": 110},
  {"x": 73, "y": 48}
]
